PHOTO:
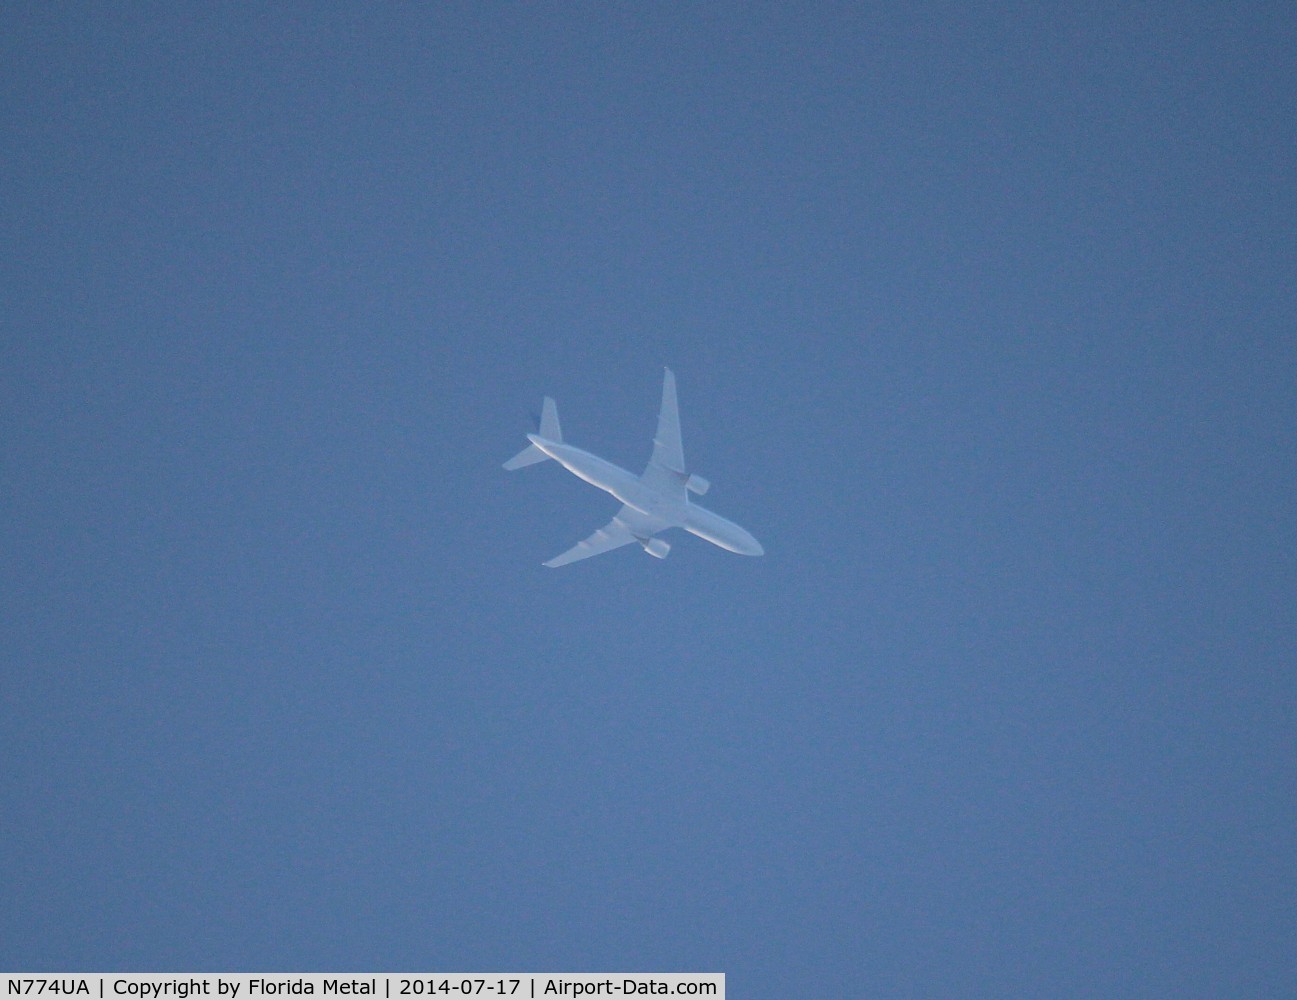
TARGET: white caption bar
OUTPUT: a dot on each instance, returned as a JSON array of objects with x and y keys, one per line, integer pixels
[{"x": 384, "y": 985}]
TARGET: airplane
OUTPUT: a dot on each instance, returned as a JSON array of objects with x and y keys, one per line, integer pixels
[{"x": 651, "y": 503}]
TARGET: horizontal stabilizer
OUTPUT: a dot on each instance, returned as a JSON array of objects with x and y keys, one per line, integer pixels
[
  {"x": 528, "y": 456},
  {"x": 549, "y": 430}
]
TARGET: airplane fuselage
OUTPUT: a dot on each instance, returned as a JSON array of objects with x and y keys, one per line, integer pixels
[
  {"x": 650, "y": 503},
  {"x": 632, "y": 491}
]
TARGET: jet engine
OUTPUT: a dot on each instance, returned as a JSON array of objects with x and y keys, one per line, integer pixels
[
  {"x": 697, "y": 484},
  {"x": 656, "y": 547}
]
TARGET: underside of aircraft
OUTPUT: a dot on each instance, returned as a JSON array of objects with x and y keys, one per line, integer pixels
[{"x": 652, "y": 502}]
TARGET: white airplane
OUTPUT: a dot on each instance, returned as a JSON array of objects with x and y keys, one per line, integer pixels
[{"x": 651, "y": 503}]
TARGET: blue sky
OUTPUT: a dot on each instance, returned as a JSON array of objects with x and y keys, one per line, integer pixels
[{"x": 983, "y": 325}]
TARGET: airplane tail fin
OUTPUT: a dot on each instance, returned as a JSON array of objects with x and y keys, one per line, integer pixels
[{"x": 549, "y": 430}]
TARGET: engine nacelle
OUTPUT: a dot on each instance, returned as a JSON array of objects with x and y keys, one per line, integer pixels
[
  {"x": 697, "y": 484},
  {"x": 656, "y": 547}
]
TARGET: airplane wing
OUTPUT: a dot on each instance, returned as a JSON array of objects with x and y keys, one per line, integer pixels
[
  {"x": 666, "y": 469},
  {"x": 629, "y": 525}
]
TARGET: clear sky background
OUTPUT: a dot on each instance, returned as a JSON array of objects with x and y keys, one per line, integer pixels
[{"x": 983, "y": 319}]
